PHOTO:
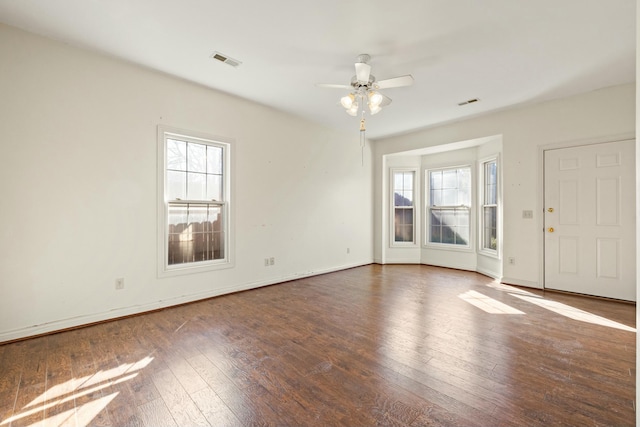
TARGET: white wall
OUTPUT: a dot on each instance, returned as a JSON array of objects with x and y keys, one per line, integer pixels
[
  {"x": 78, "y": 188},
  {"x": 602, "y": 115},
  {"x": 637, "y": 123}
]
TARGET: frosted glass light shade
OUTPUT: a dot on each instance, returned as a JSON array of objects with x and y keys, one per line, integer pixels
[
  {"x": 347, "y": 101},
  {"x": 375, "y": 99}
]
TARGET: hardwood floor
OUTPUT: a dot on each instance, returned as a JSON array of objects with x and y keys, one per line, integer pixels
[{"x": 375, "y": 345}]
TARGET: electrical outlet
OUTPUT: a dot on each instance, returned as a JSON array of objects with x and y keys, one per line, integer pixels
[
  {"x": 266, "y": 262},
  {"x": 512, "y": 261},
  {"x": 120, "y": 283},
  {"x": 272, "y": 261}
]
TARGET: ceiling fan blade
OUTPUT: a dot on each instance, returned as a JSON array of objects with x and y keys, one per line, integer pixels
[
  {"x": 333, "y": 86},
  {"x": 385, "y": 100},
  {"x": 395, "y": 82},
  {"x": 362, "y": 72}
]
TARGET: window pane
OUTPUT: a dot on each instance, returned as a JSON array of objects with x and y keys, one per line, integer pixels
[
  {"x": 400, "y": 199},
  {"x": 450, "y": 178},
  {"x": 436, "y": 180},
  {"x": 179, "y": 235},
  {"x": 215, "y": 218},
  {"x": 464, "y": 197},
  {"x": 449, "y": 197},
  {"x": 462, "y": 217},
  {"x": 176, "y": 155},
  {"x": 214, "y": 160},
  {"x": 196, "y": 189},
  {"x": 448, "y": 235},
  {"x": 435, "y": 235},
  {"x": 408, "y": 216},
  {"x": 177, "y": 219},
  {"x": 490, "y": 230},
  {"x": 397, "y": 181},
  {"x": 491, "y": 172},
  {"x": 448, "y": 217},
  {"x": 462, "y": 235},
  {"x": 216, "y": 241},
  {"x": 408, "y": 181},
  {"x": 490, "y": 216},
  {"x": 176, "y": 185},
  {"x": 435, "y": 218},
  {"x": 196, "y": 156},
  {"x": 436, "y": 198},
  {"x": 464, "y": 178},
  {"x": 490, "y": 194},
  {"x": 408, "y": 197},
  {"x": 214, "y": 187},
  {"x": 490, "y": 239}
]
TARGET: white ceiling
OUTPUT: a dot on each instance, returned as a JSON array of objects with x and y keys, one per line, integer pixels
[{"x": 504, "y": 52}]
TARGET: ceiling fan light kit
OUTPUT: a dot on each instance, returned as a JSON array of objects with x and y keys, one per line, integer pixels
[{"x": 364, "y": 89}]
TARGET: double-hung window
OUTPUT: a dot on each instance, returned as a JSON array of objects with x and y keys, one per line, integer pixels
[
  {"x": 403, "y": 206},
  {"x": 449, "y": 206},
  {"x": 489, "y": 238},
  {"x": 195, "y": 194}
]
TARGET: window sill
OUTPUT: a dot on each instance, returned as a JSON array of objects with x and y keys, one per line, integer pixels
[
  {"x": 489, "y": 254},
  {"x": 445, "y": 247},
  {"x": 194, "y": 267}
]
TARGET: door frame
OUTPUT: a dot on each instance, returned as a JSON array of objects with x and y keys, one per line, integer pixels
[{"x": 540, "y": 198}]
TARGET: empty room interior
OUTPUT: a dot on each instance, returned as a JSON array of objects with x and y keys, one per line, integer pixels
[{"x": 330, "y": 213}]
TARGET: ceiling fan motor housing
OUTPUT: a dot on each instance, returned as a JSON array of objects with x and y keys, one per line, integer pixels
[{"x": 356, "y": 84}]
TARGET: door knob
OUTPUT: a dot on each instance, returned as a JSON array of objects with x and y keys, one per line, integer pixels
[
  {"x": 550, "y": 230},
  {"x": 550, "y": 210}
]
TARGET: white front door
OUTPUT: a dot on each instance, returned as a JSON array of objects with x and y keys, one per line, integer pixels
[{"x": 589, "y": 220}]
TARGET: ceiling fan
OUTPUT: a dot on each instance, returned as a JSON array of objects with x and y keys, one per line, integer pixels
[{"x": 364, "y": 89}]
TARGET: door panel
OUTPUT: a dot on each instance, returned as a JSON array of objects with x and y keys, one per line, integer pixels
[{"x": 589, "y": 219}]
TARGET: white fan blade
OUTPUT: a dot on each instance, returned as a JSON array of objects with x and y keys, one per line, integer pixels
[
  {"x": 395, "y": 82},
  {"x": 385, "y": 100},
  {"x": 362, "y": 72},
  {"x": 333, "y": 86}
]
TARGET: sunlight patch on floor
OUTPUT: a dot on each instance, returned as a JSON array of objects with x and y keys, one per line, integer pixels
[
  {"x": 510, "y": 289},
  {"x": 573, "y": 313},
  {"x": 488, "y": 304},
  {"x": 75, "y": 388}
]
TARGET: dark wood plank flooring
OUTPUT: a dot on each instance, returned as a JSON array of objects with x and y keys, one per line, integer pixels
[{"x": 376, "y": 345}]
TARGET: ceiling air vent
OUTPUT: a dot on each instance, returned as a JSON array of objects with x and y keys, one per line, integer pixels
[
  {"x": 469, "y": 101},
  {"x": 224, "y": 58}
]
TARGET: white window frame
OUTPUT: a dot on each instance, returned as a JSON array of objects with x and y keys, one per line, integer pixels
[
  {"x": 392, "y": 234},
  {"x": 164, "y": 268},
  {"x": 469, "y": 247},
  {"x": 494, "y": 253}
]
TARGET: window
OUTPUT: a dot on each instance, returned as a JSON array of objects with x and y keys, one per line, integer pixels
[
  {"x": 489, "y": 227},
  {"x": 195, "y": 196},
  {"x": 449, "y": 205},
  {"x": 403, "y": 206}
]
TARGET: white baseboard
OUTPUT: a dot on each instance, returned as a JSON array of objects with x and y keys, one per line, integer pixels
[
  {"x": 456, "y": 266},
  {"x": 520, "y": 282},
  {"x": 402, "y": 261},
  {"x": 489, "y": 273},
  {"x": 79, "y": 321}
]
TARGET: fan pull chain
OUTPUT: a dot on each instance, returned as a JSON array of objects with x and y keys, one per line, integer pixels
[{"x": 363, "y": 129}]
